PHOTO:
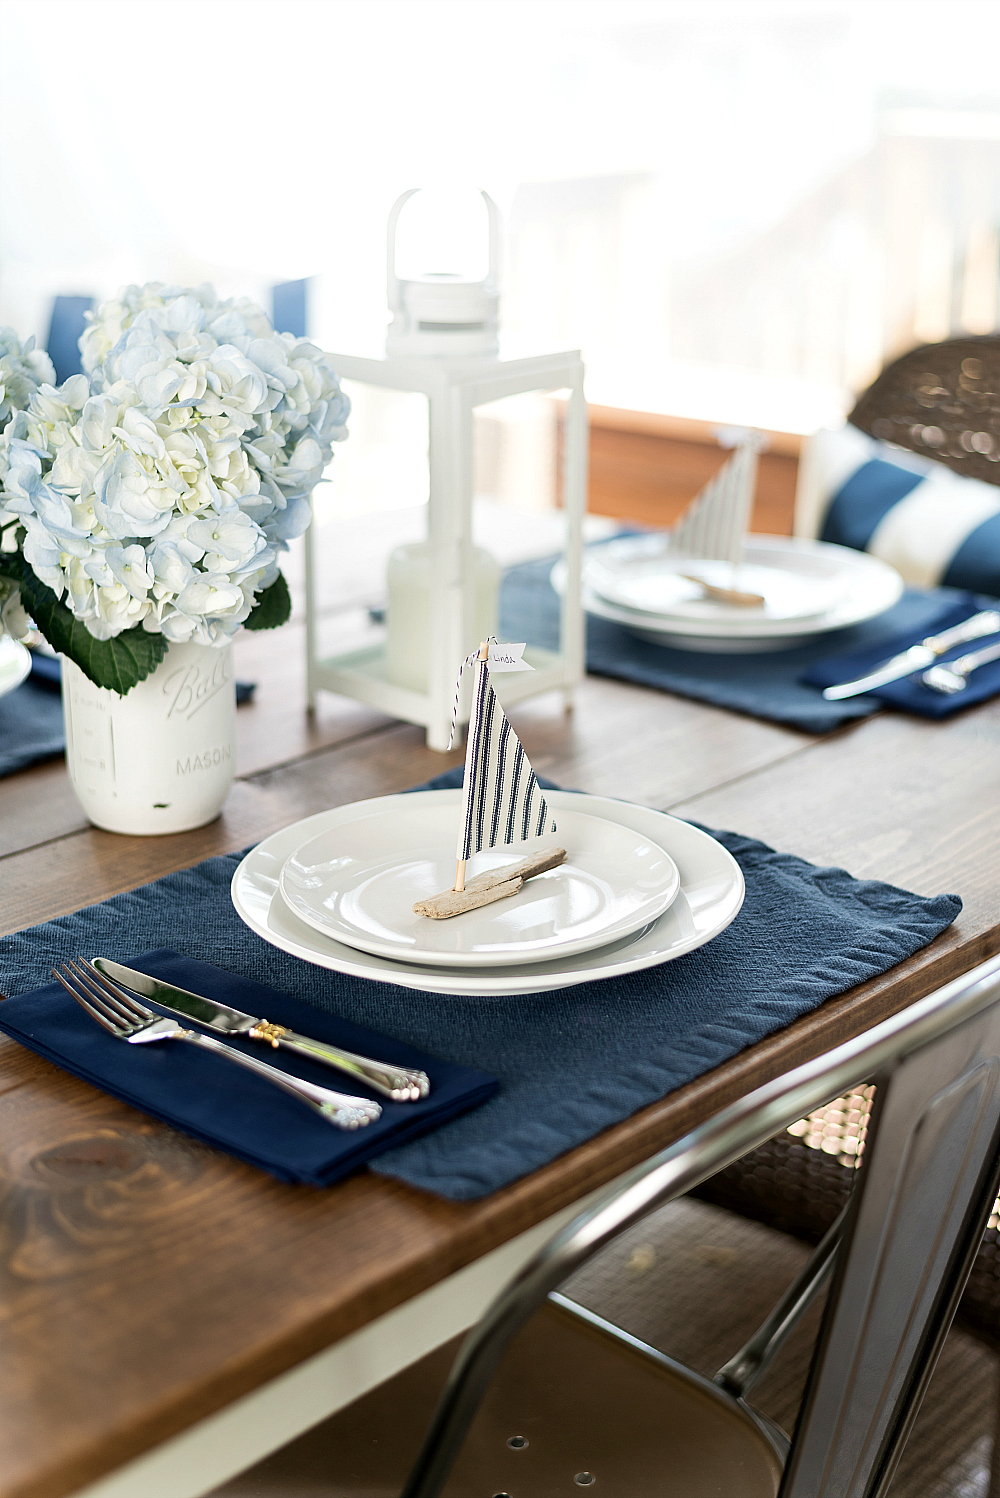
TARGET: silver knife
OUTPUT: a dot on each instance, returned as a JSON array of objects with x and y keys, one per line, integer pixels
[
  {"x": 400, "y": 1083},
  {"x": 919, "y": 656}
]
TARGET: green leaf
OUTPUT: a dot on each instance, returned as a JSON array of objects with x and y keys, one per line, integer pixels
[
  {"x": 11, "y": 565},
  {"x": 272, "y": 608},
  {"x": 117, "y": 664}
]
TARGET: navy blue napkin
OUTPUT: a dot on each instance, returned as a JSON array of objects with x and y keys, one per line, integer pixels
[
  {"x": 770, "y": 685},
  {"x": 910, "y": 693},
  {"x": 227, "y": 1106},
  {"x": 571, "y": 1062},
  {"x": 31, "y": 719}
]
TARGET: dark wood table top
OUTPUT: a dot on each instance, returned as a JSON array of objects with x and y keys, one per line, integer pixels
[{"x": 147, "y": 1281}]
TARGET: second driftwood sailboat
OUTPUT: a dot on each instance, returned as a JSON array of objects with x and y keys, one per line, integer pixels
[
  {"x": 502, "y": 801},
  {"x": 715, "y": 524}
]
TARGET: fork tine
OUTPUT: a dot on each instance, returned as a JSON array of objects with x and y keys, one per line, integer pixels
[
  {"x": 113, "y": 1024},
  {"x": 107, "y": 1003},
  {"x": 119, "y": 999}
]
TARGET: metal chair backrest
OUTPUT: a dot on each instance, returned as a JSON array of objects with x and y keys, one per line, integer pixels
[
  {"x": 65, "y": 326},
  {"x": 928, "y": 1181}
]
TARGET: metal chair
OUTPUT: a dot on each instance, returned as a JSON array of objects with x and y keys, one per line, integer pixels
[
  {"x": 65, "y": 326},
  {"x": 545, "y": 1397},
  {"x": 900, "y": 1253}
]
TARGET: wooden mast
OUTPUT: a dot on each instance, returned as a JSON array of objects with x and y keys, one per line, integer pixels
[{"x": 484, "y": 655}]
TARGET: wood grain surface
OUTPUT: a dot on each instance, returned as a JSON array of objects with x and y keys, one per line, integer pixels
[{"x": 147, "y": 1280}]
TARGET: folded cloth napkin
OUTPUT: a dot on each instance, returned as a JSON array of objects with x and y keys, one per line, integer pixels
[
  {"x": 770, "y": 685},
  {"x": 31, "y": 719},
  {"x": 910, "y": 693},
  {"x": 226, "y": 1105},
  {"x": 570, "y": 1062}
]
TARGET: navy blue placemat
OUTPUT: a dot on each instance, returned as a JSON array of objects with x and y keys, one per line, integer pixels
[
  {"x": 570, "y": 1062},
  {"x": 31, "y": 720},
  {"x": 769, "y": 685},
  {"x": 228, "y": 1106},
  {"x": 910, "y": 693}
]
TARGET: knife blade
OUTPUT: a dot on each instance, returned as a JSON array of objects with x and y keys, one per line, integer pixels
[
  {"x": 400, "y": 1083},
  {"x": 919, "y": 656}
]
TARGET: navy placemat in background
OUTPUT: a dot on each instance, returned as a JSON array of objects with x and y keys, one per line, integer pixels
[
  {"x": 571, "y": 1062},
  {"x": 769, "y": 685},
  {"x": 31, "y": 720},
  {"x": 31, "y": 726},
  {"x": 910, "y": 693},
  {"x": 228, "y": 1106}
]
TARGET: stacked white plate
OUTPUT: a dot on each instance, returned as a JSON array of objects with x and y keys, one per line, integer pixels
[
  {"x": 638, "y": 888},
  {"x": 808, "y": 588}
]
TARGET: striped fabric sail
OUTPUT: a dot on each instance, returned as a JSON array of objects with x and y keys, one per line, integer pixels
[
  {"x": 716, "y": 521},
  {"x": 503, "y": 802}
]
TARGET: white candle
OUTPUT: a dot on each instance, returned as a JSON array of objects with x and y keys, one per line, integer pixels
[{"x": 408, "y": 616}]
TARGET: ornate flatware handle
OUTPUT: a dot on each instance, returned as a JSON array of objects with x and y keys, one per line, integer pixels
[
  {"x": 336, "y": 1107},
  {"x": 400, "y": 1083}
]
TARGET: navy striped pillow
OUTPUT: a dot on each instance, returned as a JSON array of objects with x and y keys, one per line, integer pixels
[{"x": 934, "y": 526}]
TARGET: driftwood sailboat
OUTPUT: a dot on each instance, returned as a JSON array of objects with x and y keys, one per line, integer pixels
[
  {"x": 502, "y": 802},
  {"x": 715, "y": 523}
]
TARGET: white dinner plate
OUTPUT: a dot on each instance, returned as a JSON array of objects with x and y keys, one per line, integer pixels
[
  {"x": 15, "y": 663},
  {"x": 862, "y": 587},
  {"x": 642, "y": 574},
  {"x": 710, "y": 895},
  {"x": 358, "y": 883}
]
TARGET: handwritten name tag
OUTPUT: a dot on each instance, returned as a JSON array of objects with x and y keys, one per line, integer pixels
[{"x": 507, "y": 658}]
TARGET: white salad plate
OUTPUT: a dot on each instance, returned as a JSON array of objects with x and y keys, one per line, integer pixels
[
  {"x": 358, "y": 882},
  {"x": 710, "y": 895},
  {"x": 848, "y": 586},
  {"x": 641, "y": 574},
  {"x": 15, "y": 663}
]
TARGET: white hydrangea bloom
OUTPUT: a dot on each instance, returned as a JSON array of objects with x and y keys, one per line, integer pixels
[
  {"x": 159, "y": 488},
  {"x": 23, "y": 368}
]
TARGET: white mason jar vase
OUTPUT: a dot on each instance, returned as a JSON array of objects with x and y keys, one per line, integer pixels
[{"x": 160, "y": 759}]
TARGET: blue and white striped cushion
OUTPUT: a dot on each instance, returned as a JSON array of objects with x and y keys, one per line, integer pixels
[{"x": 934, "y": 526}]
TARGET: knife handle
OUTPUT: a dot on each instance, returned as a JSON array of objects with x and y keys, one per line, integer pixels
[
  {"x": 400, "y": 1083},
  {"x": 985, "y": 623}
]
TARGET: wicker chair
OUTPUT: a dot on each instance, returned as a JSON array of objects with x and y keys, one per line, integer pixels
[{"x": 800, "y": 1181}]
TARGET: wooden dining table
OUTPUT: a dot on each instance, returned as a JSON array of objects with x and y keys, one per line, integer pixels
[{"x": 168, "y": 1315}]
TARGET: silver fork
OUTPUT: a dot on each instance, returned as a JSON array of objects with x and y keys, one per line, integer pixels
[
  {"x": 124, "y": 1017},
  {"x": 953, "y": 676}
]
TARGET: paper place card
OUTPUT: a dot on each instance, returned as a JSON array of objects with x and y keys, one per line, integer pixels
[{"x": 507, "y": 658}]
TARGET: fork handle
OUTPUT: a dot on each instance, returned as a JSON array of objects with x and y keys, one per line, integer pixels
[
  {"x": 966, "y": 664},
  {"x": 336, "y": 1107}
]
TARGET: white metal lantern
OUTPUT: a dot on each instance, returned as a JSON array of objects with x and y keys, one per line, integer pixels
[{"x": 442, "y": 343}]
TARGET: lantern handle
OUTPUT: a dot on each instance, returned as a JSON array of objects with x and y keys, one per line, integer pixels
[{"x": 391, "y": 279}]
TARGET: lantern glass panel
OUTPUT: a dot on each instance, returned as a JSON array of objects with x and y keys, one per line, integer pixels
[
  {"x": 516, "y": 513},
  {"x": 372, "y": 501}
]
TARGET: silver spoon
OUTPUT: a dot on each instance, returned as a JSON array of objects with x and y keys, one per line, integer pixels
[{"x": 953, "y": 676}]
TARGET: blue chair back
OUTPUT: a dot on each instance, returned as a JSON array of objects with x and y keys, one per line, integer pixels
[
  {"x": 289, "y": 304},
  {"x": 65, "y": 327}
]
